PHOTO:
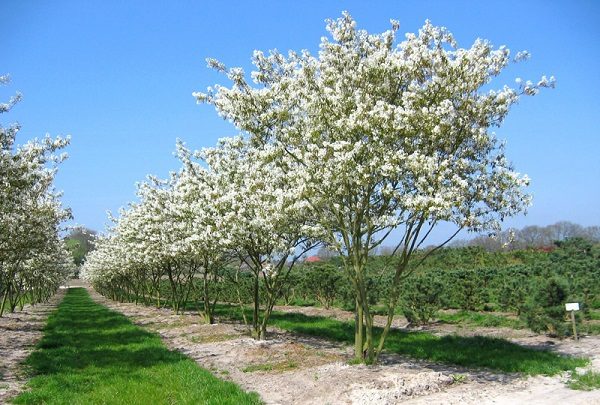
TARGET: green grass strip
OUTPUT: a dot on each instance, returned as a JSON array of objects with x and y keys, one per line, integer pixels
[
  {"x": 587, "y": 381},
  {"x": 477, "y": 351},
  {"x": 480, "y": 319},
  {"x": 92, "y": 355}
]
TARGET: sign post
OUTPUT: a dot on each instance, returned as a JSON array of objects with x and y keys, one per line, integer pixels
[{"x": 573, "y": 306}]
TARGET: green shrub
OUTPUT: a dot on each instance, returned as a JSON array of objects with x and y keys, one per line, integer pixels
[
  {"x": 321, "y": 282},
  {"x": 467, "y": 289},
  {"x": 421, "y": 298},
  {"x": 514, "y": 290},
  {"x": 545, "y": 311}
]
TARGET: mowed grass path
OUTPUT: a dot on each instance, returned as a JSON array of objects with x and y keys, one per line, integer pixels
[
  {"x": 477, "y": 351},
  {"x": 92, "y": 355}
]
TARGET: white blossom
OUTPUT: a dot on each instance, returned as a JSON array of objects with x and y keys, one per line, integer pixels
[{"x": 384, "y": 134}]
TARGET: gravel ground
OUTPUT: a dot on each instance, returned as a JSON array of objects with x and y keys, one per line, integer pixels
[{"x": 19, "y": 332}]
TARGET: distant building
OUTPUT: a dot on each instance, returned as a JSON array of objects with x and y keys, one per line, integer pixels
[{"x": 312, "y": 259}]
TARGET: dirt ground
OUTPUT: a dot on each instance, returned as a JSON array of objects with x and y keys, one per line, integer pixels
[
  {"x": 19, "y": 332},
  {"x": 292, "y": 369}
]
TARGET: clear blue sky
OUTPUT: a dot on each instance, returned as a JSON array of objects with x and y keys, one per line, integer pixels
[{"x": 118, "y": 77}]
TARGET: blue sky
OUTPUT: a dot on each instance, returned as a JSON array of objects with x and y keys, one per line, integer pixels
[{"x": 118, "y": 77}]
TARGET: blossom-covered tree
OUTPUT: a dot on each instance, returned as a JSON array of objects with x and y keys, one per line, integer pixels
[
  {"x": 241, "y": 205},
  {"x": 384, "y": 135},
  {"x": 33, "y": 258},
  {"x": 145, "y": 246},
  {"x": 206, "y": 239},
  {"x": 258, "y": 206}
]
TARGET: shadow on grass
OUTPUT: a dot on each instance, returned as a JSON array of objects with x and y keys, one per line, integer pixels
[
  {"x": 82, "y": 335},
  {"x": 478, "y": 351},
  {"x": 90, "y": 354}
]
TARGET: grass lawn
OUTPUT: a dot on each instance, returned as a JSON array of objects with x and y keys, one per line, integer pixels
[
  {"x": 480, "y": 319},
  {"x": 91, "y": 355},
  {"x": 586, "y": 382},
  {"x": 492, "y": 353}
]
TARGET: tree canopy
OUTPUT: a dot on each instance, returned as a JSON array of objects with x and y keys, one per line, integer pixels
[{"x": 384, "y": 136}]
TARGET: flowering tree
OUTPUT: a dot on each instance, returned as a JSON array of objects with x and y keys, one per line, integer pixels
[
  {"x": 383, "y": 136},
  {"x": 145, "y": 246},
  {"x": 172, "y": 234},
  {"x": 263, "y": 218},
  {"x": 243, "y": 205},
  {"x": 206, "y": 239},
  {"x": 33, "y": 259}
]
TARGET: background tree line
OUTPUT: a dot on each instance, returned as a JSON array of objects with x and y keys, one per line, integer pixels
[{"x": 533, "y": 236}]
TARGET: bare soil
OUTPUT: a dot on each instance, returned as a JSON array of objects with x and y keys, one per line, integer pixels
[
  {"x": 19, "y": 332},
  {"x": 293, "y": 369}
]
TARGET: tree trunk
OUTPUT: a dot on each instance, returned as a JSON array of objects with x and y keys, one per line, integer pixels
[
  {"x": 208, "y": 314},
  {"x": 358, "y": 332},
  {"x": 3, "y": 306},
  {"x": 256, "y": 313}
]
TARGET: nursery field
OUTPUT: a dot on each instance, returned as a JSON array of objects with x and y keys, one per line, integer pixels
[
  {"x": 308, "y": 357},
  {"x": 470, "y": 325},
  {"x": 92, "y": 354},
  {"x": 314, "y": 257},
  {"x": 466, "y": 287}
]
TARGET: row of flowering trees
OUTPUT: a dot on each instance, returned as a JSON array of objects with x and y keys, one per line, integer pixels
[
  {"x": 242, "y": 207},
  {"x": 33, "y": 258},
  {"x": 342, "y": 148}
]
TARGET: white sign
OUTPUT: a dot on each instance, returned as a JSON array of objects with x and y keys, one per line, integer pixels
[{"x": 572, "y": 306}]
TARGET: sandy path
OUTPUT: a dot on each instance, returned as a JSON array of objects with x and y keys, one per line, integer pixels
[
  {"x": 19, "y": 332},
  {"x": 307, "y": 370},
  {"x": 532, "y": 390}
]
